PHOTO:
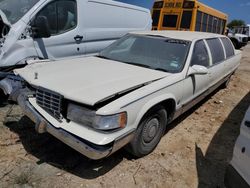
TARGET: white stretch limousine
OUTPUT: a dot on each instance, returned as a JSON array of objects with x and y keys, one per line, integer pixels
[{"x": 129, "y": 92}]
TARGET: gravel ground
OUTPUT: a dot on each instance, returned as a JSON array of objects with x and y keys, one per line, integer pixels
[{"x": 193, "y": 153}]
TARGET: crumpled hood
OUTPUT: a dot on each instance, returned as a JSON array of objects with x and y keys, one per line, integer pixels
[{"x": 87, "y": 80}]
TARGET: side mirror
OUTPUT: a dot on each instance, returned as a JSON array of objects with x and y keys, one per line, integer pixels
[
  {"x": 40, "y": 27},
  {"x": 197, "y": 69}
]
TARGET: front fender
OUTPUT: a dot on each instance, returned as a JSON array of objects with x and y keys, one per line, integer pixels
[
  {"x": 151, "y": 103},
  {"x": 18, "y": 53}
]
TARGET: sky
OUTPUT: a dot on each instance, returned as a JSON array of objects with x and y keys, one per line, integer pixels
[{"x": 236, "y": 9}]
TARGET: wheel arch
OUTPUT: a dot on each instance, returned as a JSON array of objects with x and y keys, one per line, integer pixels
[{"x": 167, "y": 101}]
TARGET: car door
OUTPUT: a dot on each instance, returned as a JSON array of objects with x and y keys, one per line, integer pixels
[
  {"x": 62, "y": 22},
  {"x": 231, "y": 60},
  {"x": 196, "y": 84},
  {"x": 218, "y": 68}
]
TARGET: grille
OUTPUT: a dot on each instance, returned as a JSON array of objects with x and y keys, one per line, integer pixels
[{"x": 51, "y": 102}]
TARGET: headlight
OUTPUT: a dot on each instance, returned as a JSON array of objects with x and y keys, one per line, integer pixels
[
  {"x": 88, "y": 117},
  {"x": 110, "y": 122}
]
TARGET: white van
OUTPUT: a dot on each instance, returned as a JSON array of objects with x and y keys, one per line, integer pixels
[
  {"x": 239, "y": 40},
  {"x": 54, "y": 29},
  {"x": 245, "y": 30}
]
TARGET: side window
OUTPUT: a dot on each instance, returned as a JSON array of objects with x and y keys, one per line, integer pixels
[
  {"x": 216, "y": 49},
  {"x": 200, "y": 55},
  {"x": 228, "y": 47},
  {"x": 61, "y": 15}
]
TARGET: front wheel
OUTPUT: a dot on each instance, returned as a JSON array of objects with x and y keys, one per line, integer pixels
[
  {"x": 236, "y": 44},
  {"x": 149, "y": 132}
]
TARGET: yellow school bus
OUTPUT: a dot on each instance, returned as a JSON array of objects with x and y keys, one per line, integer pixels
[{"x": 189, "y": 15}]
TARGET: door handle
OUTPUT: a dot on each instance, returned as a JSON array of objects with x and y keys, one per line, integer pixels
[{"x": 78, "y": 38}]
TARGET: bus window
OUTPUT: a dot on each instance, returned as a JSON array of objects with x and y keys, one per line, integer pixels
[
  {"x": 155, "y": 17},
  {"x": 223, "y": 26},
  {"x": 219, "y": 26},
  {"x": 210, "y": 23},
  {"x": 198, "y": 21},
  {"x": 186, "y": 19},
  {"x": 204, "y": 22},
  {"x": 158, "y": 4},
  {"x": 169, "y": 20},
  {"x": 214, "y": 24}
]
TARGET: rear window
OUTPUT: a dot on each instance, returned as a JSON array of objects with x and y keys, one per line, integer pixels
[
  {"x": 169, "y": 21},
  {"x": 228, "y": 47},
  {"x": 216, "y": 50}
]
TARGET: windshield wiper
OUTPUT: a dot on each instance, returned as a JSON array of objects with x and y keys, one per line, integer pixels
[
  {"x": 160, "y": 69},
  {"x": 137, "y": 64},
  {"x": 103, "y": 57}
]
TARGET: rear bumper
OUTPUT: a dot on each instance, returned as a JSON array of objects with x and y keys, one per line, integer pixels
[
  {"x": 84, "y": 147},
  {"x": 233, "y": 179}
]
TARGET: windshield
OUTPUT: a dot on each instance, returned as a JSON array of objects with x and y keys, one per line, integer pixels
[
  {"x": 16, "y": 9},
  {"x": 154, "y": 52}
]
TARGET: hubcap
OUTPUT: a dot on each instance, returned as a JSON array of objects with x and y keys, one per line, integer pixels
[{"x": 150, "y": 130}]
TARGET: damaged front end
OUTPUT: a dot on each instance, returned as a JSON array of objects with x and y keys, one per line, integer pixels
[
  {"x": 10, "y": 84},
  {"x": 4, "y": 28},
  {"x": 87, "y": 148}
]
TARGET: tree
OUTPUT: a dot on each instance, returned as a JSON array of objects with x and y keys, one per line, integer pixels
[{"x": 234, "y": 23}]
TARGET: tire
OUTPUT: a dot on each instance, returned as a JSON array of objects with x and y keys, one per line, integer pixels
[
  {"x": 3, "y": 98},
  {"x": 236, "y": 44},
  {"x": 149, "y": 132}
]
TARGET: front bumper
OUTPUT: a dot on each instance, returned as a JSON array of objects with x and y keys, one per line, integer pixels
[
  {"x": 233, "y": 179},
  {"x": 242, "y": 44},
  {"x": 86, "y": 148}
]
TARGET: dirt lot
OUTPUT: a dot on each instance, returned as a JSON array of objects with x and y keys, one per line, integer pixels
[{"x": 193, "y": 153}]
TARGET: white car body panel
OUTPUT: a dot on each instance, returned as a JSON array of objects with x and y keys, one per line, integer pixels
[{"x": 241, "y": 160}]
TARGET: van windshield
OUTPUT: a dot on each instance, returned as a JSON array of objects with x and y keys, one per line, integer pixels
[
  {"x": 153, "y": 52},
  {"x": 16, "y": 9}
]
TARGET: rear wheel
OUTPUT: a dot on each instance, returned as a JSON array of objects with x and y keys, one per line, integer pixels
[{"x": 149, "y": 132}]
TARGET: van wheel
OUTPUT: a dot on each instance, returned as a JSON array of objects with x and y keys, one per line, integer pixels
[
  {"x": 149, "y": 132},
  {"x": 3, "y": 98}
]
